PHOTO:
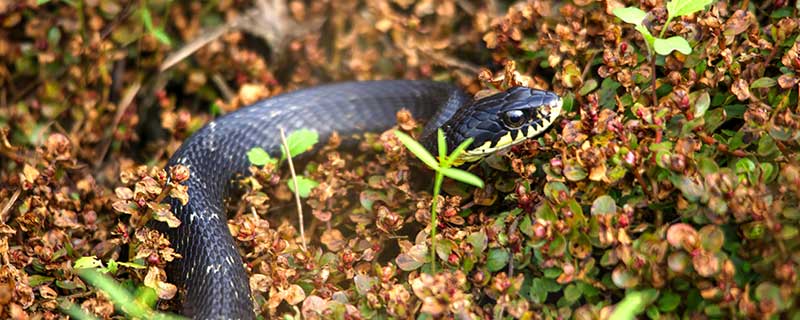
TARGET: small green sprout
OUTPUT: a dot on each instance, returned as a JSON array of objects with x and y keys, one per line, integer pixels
[
  {"x": 156, "y": 32},
  {"x": 299, "y": 141},
  {"x": 675, "y": 8},
  {"x": 443, "y": 168}
]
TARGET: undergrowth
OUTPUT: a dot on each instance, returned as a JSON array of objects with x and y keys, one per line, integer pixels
[{"x": 668, "y": 189}]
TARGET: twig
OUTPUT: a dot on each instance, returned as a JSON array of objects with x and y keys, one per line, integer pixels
[
  {"x": 640, "y": 179},
  {"x": 253, "y": 211},
  {"x": 466, "y": 6},
  {"x": 124, "y": 103},
  {"x": 511, "y": 230},
  {"x": 6, "y": 149},
  {"x": 653, "y": 80},
  {"x": 588, "y": 66},
  {"x": 223, "y": 87},
  {"x": 149, "y": 212},
  {"x": 193, "y": 46},
  {"x": 11, "y": 155},
  {"x": 450, "y": 61},
  {"x": 123, "y": 15},
  {"x": 285, "y": 146},
  {"x": 7, "y": 207}
]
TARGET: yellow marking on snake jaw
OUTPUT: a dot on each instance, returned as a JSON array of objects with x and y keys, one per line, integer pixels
[{"x": 552, "y": 111}]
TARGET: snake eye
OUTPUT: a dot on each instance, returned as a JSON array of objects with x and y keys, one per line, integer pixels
[{"x": 514, "y": 118}]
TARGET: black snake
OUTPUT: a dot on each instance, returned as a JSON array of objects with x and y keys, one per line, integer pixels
[{"x": 211, "y": 271}]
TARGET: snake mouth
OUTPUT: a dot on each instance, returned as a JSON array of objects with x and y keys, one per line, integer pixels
[{"x": 540, "y": 118}]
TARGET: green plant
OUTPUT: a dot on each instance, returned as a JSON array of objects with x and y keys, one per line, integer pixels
[
  {"x": 157, "y": 32},
  {"x": 659, "y": 45},
  {"x": 675, "y": 8},
  {"x": 298, "y": 142},
  {"x": 443, "y": 168},
  {"x": 138, "y": 306},
  {"x": 111, "y": 267}
]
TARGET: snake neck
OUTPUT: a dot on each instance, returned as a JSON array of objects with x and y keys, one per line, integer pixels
[{"x": 429, "y": 137}]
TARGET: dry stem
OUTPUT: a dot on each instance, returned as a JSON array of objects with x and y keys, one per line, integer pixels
[{"x": 285, "y": 146}]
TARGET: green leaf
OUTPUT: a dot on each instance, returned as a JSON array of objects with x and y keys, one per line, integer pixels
[
  {"x": 364, "y": 283},
  {"x": 147, "y": 297},
  {"x": 550, "y": 285},
  {"x": 573, "y": 171},
  {"x": 497, "y": 259},
  {"x": 463, "y": 176},
  {"x": 764, "y": 82},
  {"x": 630, "y": 15},
  {"x": 702, "y": 104},
  {"x": 668, "y": 301},
  {"x": 653, "y": 313},
  {"x": 259, "y": 157},
  {"x": 300, "y": 141},
  {"x": 767, "y": 171},
  {"x": 558, "y": 246},
  {"x": 457, "y": 152},
  {"x": 675, "y": 43},
  {"x": 112, "y": 267},
  {"x": 745, "y": 165},
  {"x": 479, "y": 241},
  {"x": 147, "y": 20},
  {"x": 569, "y": 101},
  {"x": 647, "y": 36},
  {"x": 552, "y": 273},
  {"x": 35, "y": 280},
  {"x": 604, "y": 205},
  {"x": 526, "y": 226},
  {"x": 677, "y": 8},
  {"x": 87, "y": 263},
  {"x": 572, "y": 293},
  {"x": 588, "y": 87},
  {"x": 443, "y": 248},
  {"x": 630, "y": 306},
  {"x": 588, "y": 290},
  {"x": 418, "y": 150},
  {"x": 303, "y": 184},
  {"x": 442, "y": 144},
  {"x": 407, "y": 263},
  {"x": 692, "y": 191},
  {"x": 535, "y": 293},
  {"x": 158, "y": 33},
  {"x": 161, "y": 36}
]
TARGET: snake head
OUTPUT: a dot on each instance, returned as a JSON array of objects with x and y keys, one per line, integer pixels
[{"x": 501, "y": 120}]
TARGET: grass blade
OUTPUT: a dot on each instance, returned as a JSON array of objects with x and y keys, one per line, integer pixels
[
  {"x": 457, "y": 152},
  {"x": 418, "y": 150},
  {"x": 463, "y": 176},
  {"x": 442, "y": 144},
  {"x": 118, "y": 295}
]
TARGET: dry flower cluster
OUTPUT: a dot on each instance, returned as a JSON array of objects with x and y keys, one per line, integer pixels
[{"x": 691, "y": 197}]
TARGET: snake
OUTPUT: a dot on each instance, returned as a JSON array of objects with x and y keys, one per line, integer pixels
[{"x": 211, "y": 274}]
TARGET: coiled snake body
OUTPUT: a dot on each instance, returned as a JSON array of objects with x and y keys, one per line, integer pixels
[{"x": 211, "y": 270}]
